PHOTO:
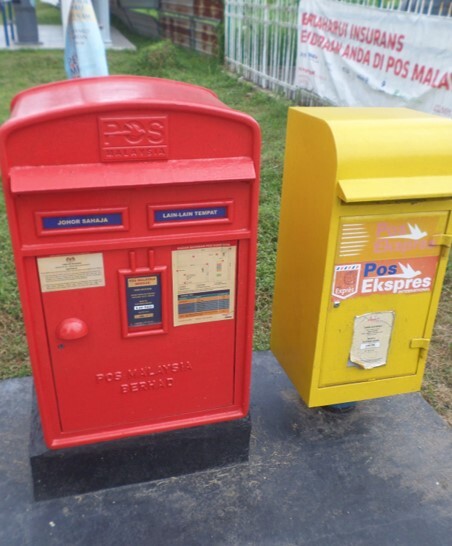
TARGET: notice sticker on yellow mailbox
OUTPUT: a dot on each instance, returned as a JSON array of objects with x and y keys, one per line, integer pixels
[{"x": 371, "y": 339}]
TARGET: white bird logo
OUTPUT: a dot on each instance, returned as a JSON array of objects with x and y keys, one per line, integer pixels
[
  {"x": 407, "y": 273},
  {"x": 415, "y": 234}
]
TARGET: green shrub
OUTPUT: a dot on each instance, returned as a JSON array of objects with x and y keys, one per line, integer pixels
[{"x": 160, "y": 55}]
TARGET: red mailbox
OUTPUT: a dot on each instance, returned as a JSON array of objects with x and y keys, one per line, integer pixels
[{"x": 132, "y": 205}]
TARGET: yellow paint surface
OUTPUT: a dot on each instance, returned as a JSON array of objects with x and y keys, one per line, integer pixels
[{"x": 365, "y": 208}]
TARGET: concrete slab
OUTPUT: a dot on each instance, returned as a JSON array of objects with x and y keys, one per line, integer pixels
[
  {"x": 379, "y": 475},
  {"x": 51, "y": 37}
]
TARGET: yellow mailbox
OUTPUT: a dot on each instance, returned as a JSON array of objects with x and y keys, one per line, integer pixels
[{"x": 363, "y": 245}]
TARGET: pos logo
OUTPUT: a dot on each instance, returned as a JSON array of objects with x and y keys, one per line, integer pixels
[
  {"x": 137, "y": 138},
  {"x": 394, "y": 278}
]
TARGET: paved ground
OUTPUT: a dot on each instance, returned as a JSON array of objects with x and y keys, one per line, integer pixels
[
  {"x": 378, "y": 476},
  {"x": 51, "y": 37}
]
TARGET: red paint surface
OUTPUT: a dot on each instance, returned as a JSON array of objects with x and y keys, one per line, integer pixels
[{"x": 96, "y": 146}]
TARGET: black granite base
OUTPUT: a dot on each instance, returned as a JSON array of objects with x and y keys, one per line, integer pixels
[{"x": 76, "y": 470}]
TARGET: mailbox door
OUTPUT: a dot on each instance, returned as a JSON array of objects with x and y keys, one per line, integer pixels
[
  {"x": 385, "y": 268},
  {"x": 130, "y": 363}
]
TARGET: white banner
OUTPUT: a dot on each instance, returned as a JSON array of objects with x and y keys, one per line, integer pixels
[
  {"x": 363, "y": 56},
  {"x": 84, "y": 48}
]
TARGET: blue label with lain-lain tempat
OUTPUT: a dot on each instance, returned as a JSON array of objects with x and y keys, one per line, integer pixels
[
  {"x": 82, "y": 221},
  {"x": 190, "y": 215}
]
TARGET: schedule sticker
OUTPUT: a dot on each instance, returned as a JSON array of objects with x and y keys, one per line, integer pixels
[{"x": 204, "y": 284}]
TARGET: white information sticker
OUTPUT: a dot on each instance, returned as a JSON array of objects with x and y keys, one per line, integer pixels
[
  {"x": 203, "y": 284},
  {"x": 71, "y": 272},
  {"x": 371, "y": 339}
]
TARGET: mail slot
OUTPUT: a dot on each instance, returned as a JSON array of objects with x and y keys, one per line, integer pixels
[
  {"x": 363, "y": 245},
  {"x": 132, "y": 206}
]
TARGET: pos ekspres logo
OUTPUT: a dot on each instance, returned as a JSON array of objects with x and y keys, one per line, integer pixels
[{"x": 408, "y": 276}]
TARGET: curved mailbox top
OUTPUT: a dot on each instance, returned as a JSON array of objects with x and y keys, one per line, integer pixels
[
  {"x": 374, "y": 154},
  {"x": 122, "y": 119},
  {"x": 70, "y": 95}
]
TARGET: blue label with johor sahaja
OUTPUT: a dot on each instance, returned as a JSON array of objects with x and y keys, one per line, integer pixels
[
  {"x": 81, "y": 221},
  {"x": 190, "y": 215}
]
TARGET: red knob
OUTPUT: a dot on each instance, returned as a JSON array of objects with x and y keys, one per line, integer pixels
[{"x": 72, "y": 328}]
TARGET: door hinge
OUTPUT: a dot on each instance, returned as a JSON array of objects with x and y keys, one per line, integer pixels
[
  {"x": 442, "y": 239},
  {"x": 420, "y": 343}
]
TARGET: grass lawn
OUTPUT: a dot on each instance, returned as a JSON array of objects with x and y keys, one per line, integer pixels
[{"x": 23, "y": 69}]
